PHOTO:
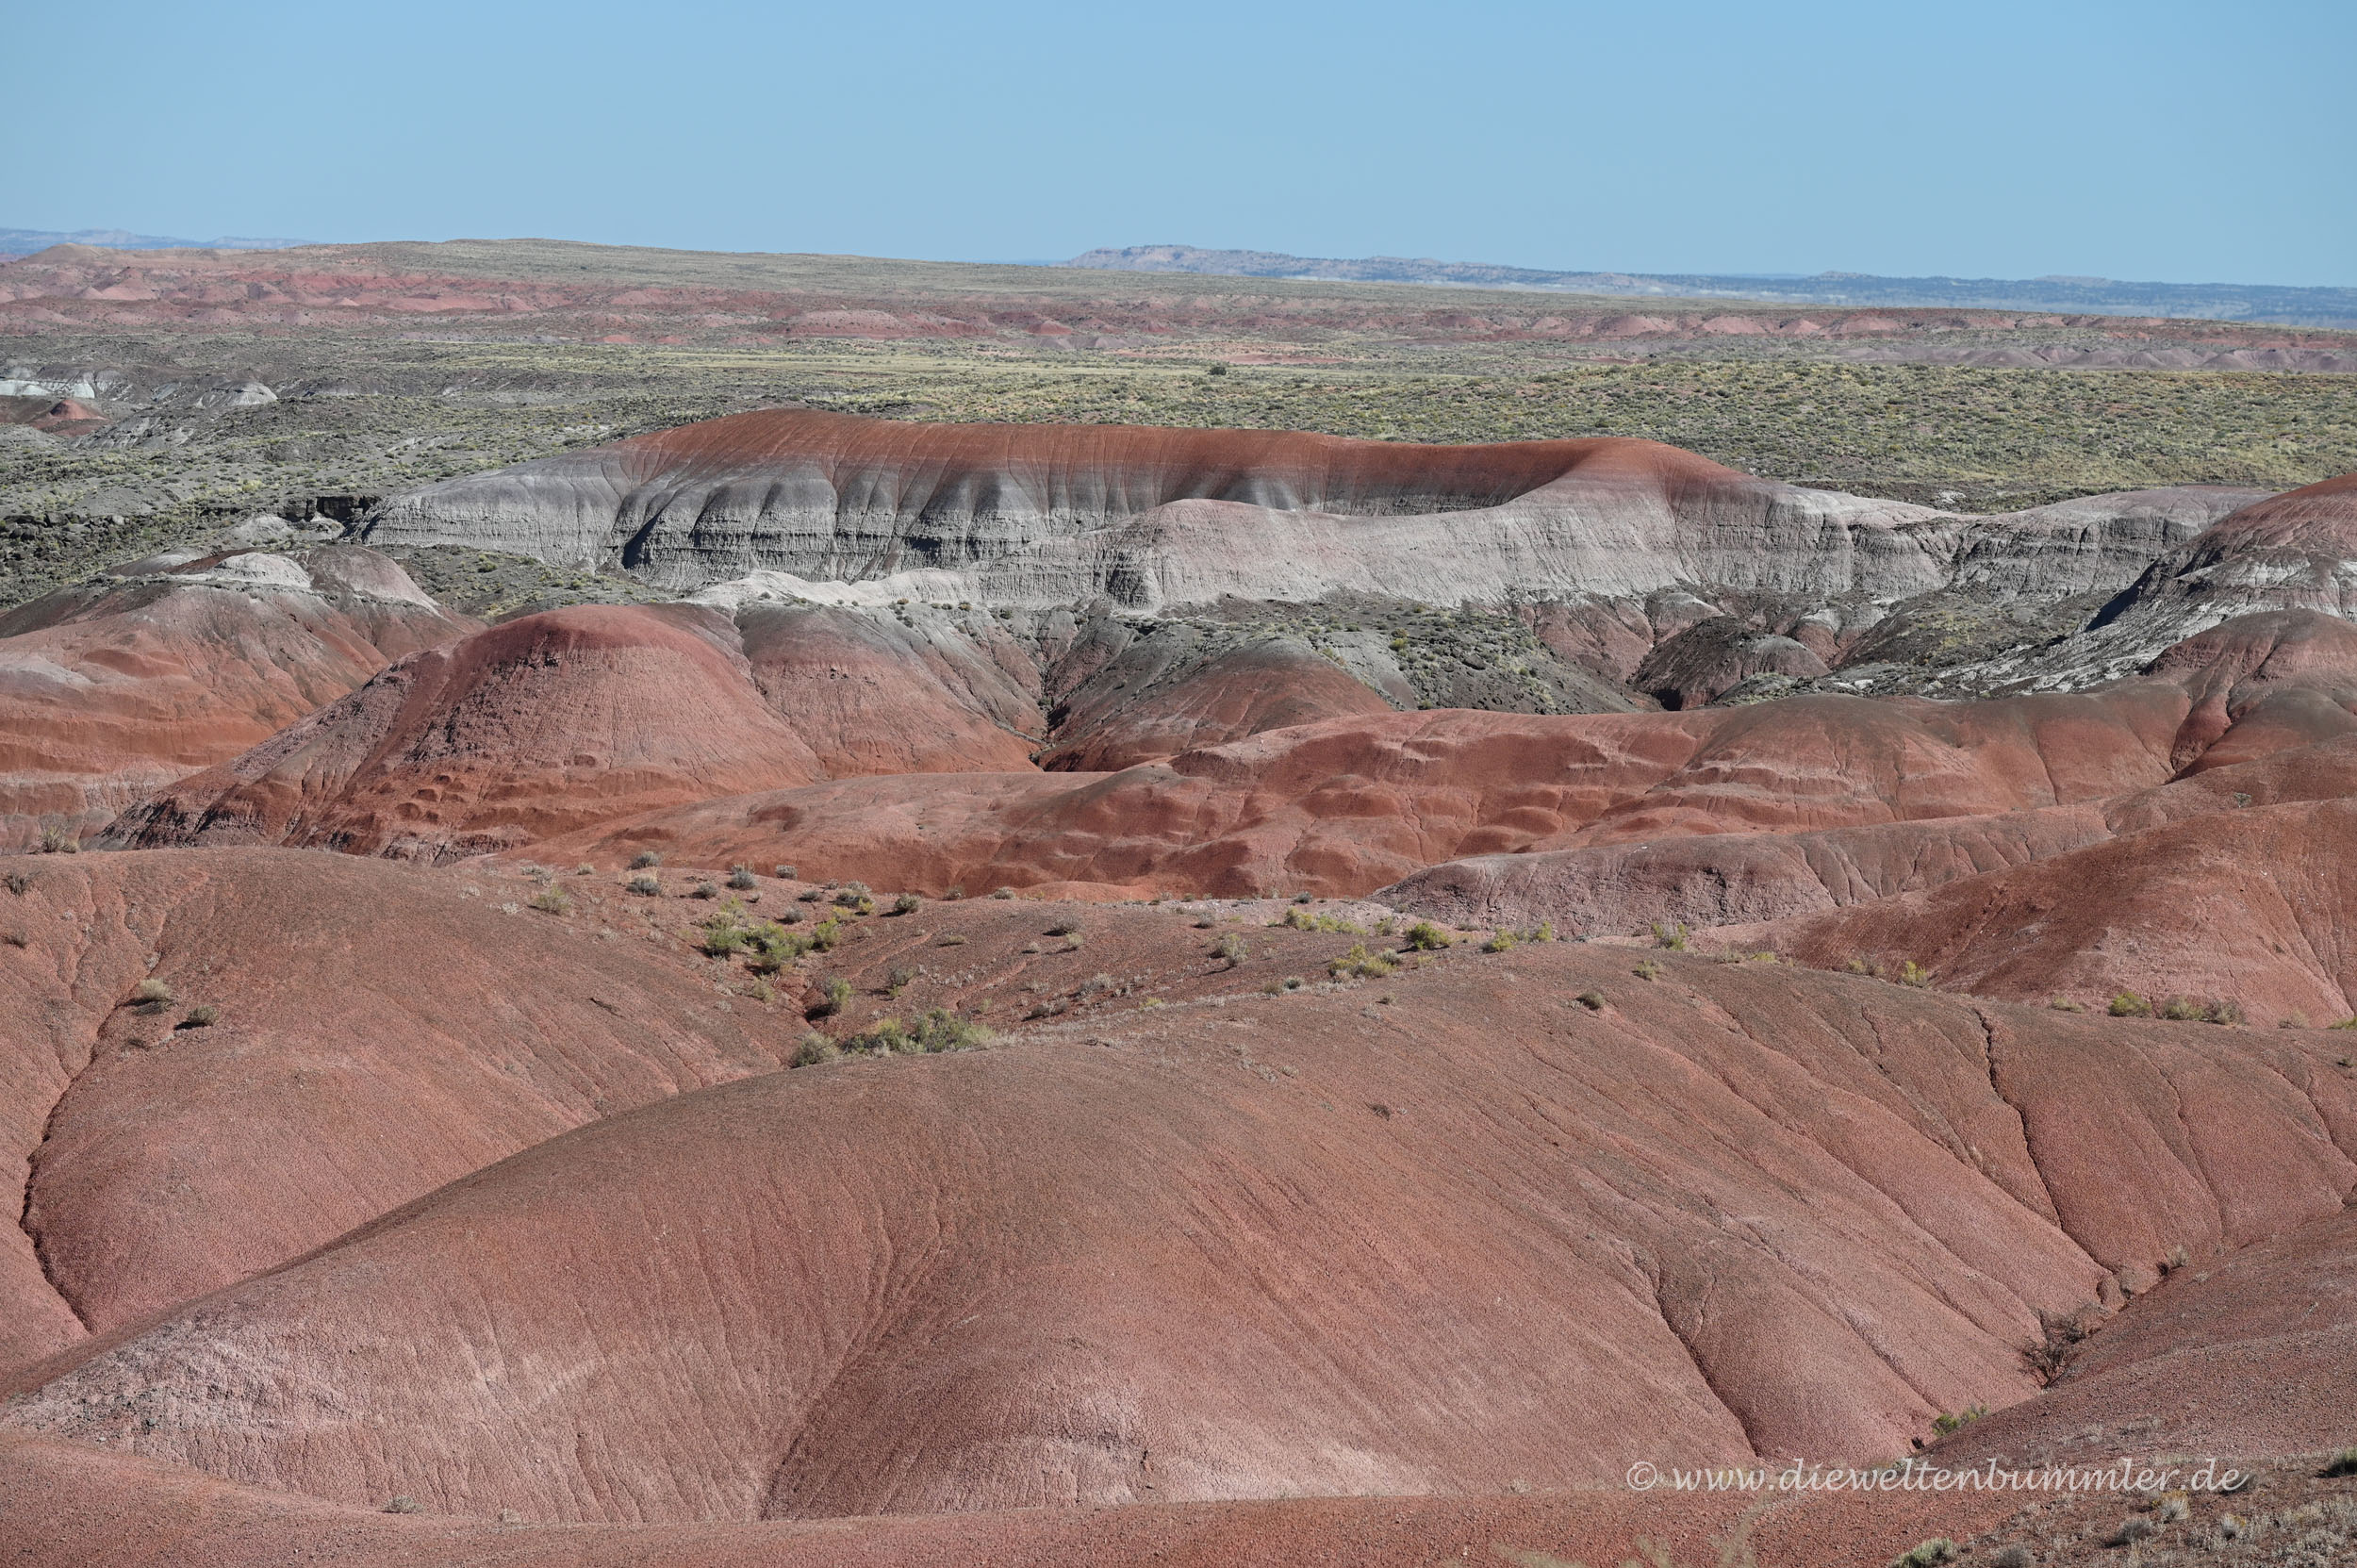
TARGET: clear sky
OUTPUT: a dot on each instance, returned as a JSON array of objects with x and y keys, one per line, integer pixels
[{"x": 2142, "y": 140}]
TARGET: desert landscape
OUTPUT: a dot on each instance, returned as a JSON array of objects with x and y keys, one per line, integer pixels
[{"x": 663, "y": 907}]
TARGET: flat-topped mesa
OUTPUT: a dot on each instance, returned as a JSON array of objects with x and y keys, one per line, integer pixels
[{"x": 1046, "y": 515}]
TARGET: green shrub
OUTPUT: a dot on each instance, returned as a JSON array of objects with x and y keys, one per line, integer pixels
[
  {"x": 936, "y": 1031},
  {"x": 1930, "y": 1554},
  {"x": 853, "y": 894},
  {"x": 742, "y": 880},
  {"x": 1647, "y": 969},
  {"x": 1500, "y": 942},
  {"x": 58, "y": 841},
  {"x": 2342, "y": 1464},
  {"x": 723, "y": 935},
  {"x": 815, "y": 1049},
  {"x": 1423, "y": 936},
  {"x": 1912, "y": 973},
  {"x": 552, "y": 901},
  {"x": 2064, "y": 1004},
  {"x": 646, "y": 884},
  {"x": 907, "y": 903},
  {"x": 2182, "y": 1010},
  {"x": 1230, "y": 947},
  {"x": 952, "y": 892},
  {"x": 1592, "y": 1000},
  {"x": 645, "y": 859},
  {"x": 1358, "y": 964},
  {"x": 1002, "y": 892},
  {"x": 1944, "y": 1424},
  {"x": 2129, "y": 1005},
  {"x": 784, "y": 873},
  {"x": 897, "y": 981},
  {"x": 834, "y": 994},
  {"x": 705, "y": 890},
  {"x": 1670, "y": 934}
]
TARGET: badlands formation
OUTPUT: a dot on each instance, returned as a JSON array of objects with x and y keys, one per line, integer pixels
[{"x": 1120, "y": 995}]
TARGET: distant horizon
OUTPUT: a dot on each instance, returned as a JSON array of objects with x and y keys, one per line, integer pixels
[{"x": 18, "y": 241}]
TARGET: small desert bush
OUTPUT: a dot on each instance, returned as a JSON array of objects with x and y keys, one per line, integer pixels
[
  {"x": 1068, "y": 926},
  {"x": 201, "y": 1017},
  {"x": 1592, "y": 1000},
  {"x": 1002, "y": 892},
  {"x": 723, "y": 935},
  {"x": 952, "y": 940},
  {"x": 934, "y": 1032},
  {"x": 552, "y": 901},
  {"x": 585, "y": 869},
  {"x": 851, "y": 895},
  {"x": 952, "y": 893},
  {"x": 742, "y": 879},
  {"x": 1912, "y": 973},
  {"x": 19, "y": 881},
  {"x": 907, "y": 903},
  {"x": 2342, "y": 1464},
  {"x": 1299, "y": 918},
  {"x": 1358, "y": 964},
  {"x": 812, "y": 896},
  {"x": 1944, "y": 1424},
  {"x": 57, "y": 841},
  {"x": 1647, "y": 969},
  {"x": 897, "y": 981},
  {"x": 151, "y": 997},
  {"x": 1423, "y": 936},
  {"x": 646, "y": 884},
  {"x": 1301, "y": 897},
  {"x": 783, "y": 873},
  {"x": 1500, "y": 942},
  {"x": 2064, "y": 1004},
  {"x": 2129, "y": 1005},
  {"x": 815, "y": 1048},
  {"x": 1930, "y": 1554},
  {"x": 705, "y": 890},
  {"x": 645, "y": 859},
  {"x": 1230, "y": 947},
  {"x": 1670, "y": 934},
  {"x": 834, "y": 994}
]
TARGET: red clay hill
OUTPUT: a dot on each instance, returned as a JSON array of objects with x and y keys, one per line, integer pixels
[{"x": 1333, "y": 1128}]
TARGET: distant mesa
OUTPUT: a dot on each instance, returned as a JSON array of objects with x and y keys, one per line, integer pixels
[
  {"x": 2299, "y": 307},
  {"x": 33, "y": 241}
]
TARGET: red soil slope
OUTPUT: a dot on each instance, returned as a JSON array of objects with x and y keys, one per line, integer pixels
[
  {"x": 528, "y": 728},
  {"x": 1737, "y": 1210},
  {"x": 1125, "y": 716},
  {"x": 2242, "y": 1355},
  {"x": 69, "y": 1503},
  {"x": 381, "y": 1031},
  {"x": 872, "y": 697},
  {"x": 1348, "y": 805},
  {"x": 2255, "y": 905},
  {"x": 110, "y": 690}
]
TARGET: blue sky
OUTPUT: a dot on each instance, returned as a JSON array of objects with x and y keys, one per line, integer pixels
[{"x": 2151, "y": 140}]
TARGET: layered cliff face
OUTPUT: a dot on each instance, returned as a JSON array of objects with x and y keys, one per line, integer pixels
[{"x": 1148, "y": 516}]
